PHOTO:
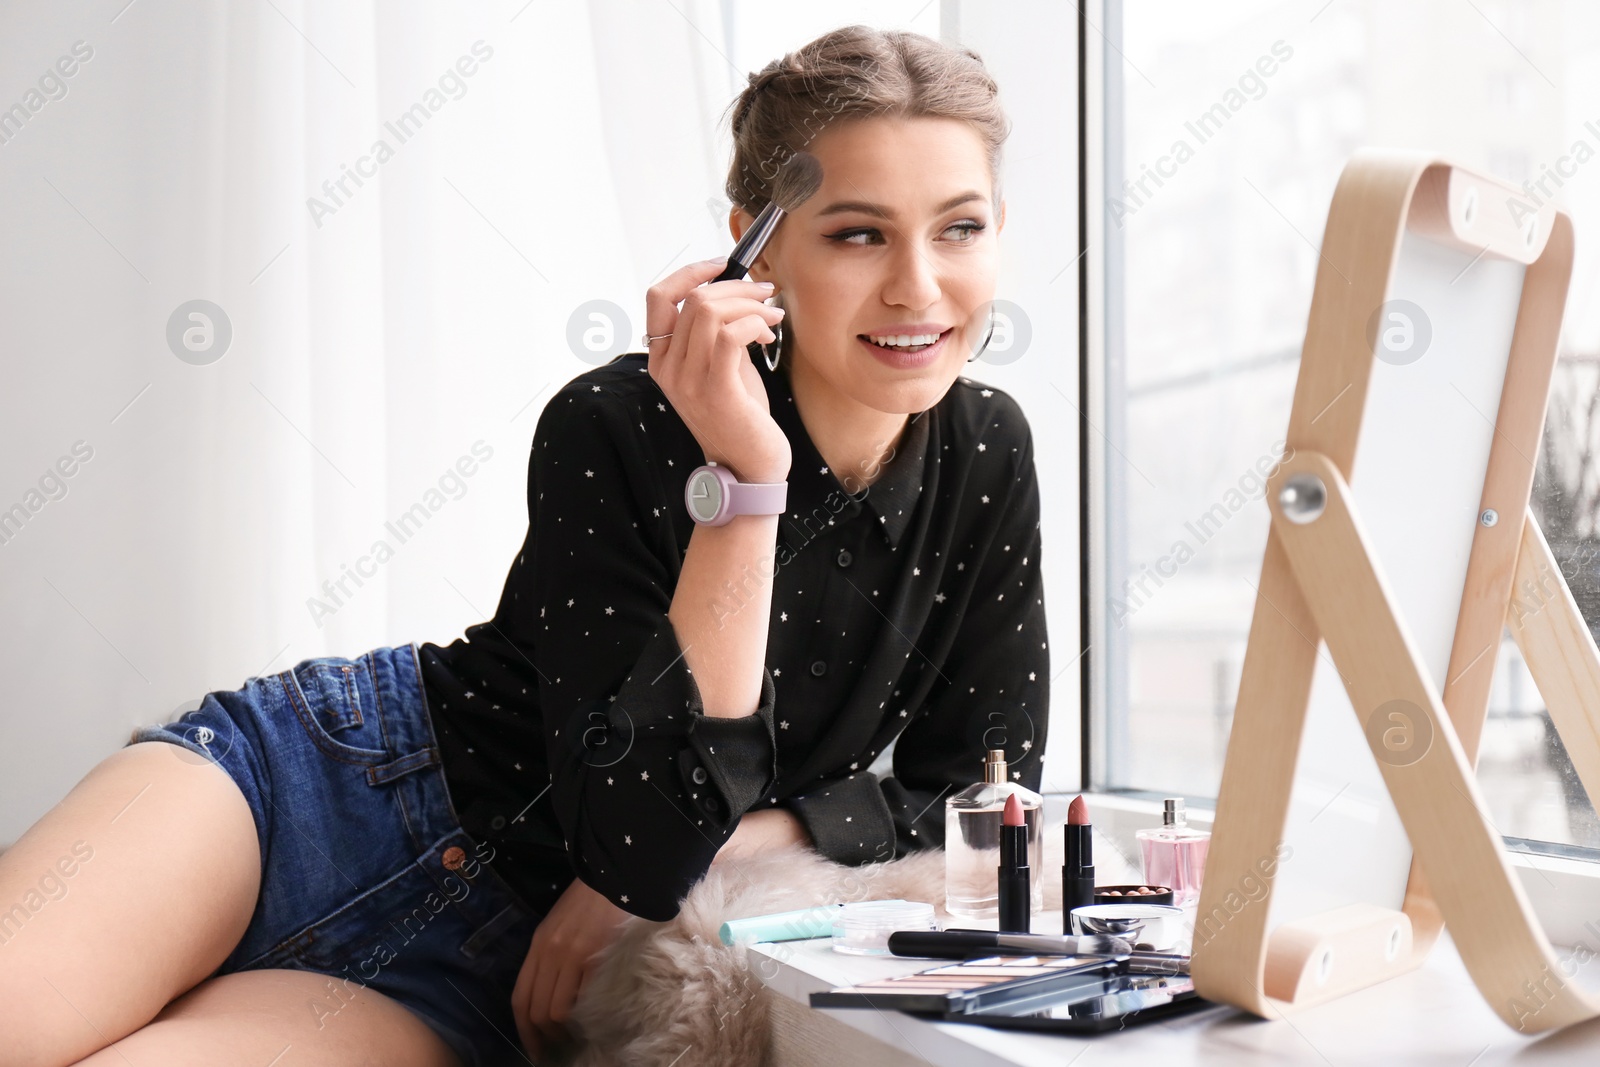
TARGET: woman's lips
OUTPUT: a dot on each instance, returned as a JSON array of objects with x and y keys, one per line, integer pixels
[{"x": 900, "y": 359}]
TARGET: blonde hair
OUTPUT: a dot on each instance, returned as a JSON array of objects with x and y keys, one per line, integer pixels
[{"x": 850, "y": 73}]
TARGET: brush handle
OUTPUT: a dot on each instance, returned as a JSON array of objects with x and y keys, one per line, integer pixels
[{"x": 750, "y": 246}]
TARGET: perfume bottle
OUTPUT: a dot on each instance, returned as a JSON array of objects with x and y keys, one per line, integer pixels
[
  {"x": 1175, "y": 855},
  {"x": 972, "y": 842}
]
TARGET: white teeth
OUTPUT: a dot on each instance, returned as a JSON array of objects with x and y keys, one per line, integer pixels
[{"x": 904, "y": 340}]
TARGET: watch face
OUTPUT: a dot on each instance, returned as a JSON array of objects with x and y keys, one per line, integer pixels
[{"x": 705, "y": 496}]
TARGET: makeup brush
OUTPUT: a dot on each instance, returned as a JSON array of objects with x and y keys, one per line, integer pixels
[{"x": 797, "y": 181}]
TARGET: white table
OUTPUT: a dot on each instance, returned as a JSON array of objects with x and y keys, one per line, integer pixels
[{"x": 1433, "y": 1015}]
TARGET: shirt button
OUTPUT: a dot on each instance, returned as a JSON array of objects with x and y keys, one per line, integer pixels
[
  {"x": 699, "y": 775},
  {"x": 497, "y": 823},
  {"x": 712, "y": 804},
  {"x": 818, "y": 667},
  {"x": 845, "y": 558}
]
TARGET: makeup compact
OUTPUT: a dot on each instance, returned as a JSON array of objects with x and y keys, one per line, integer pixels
[
  {"x": 863, "y": 928},
  {"x": 1074, "y": 994}
]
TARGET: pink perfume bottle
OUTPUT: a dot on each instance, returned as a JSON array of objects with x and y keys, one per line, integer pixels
[{"x": 1175, "y": 855}]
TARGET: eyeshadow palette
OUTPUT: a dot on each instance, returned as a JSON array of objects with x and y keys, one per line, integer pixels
[
  {"x": 1064, "y": 994},
  {"x": 967, "y": 986}
]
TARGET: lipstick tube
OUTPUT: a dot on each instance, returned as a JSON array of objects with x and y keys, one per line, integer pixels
[{"x": 1013, "y": 872}]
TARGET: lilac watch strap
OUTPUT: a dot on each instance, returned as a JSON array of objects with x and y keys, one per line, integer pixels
[{"x": 757, "y": 498}]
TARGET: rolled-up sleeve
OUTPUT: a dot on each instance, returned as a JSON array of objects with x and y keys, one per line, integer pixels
[
  {"x": 646, "y": 787},
  {"x": 993, "y": 692}
]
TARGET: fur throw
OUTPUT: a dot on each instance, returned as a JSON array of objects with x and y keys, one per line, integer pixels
[{"x": 690, "y": 999}]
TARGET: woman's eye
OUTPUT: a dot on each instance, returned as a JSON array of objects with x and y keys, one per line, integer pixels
[{"x": 968, "y": 230}]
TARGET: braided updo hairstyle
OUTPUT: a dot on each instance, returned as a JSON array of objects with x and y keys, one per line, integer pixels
[{"x": 855, "y": 72}]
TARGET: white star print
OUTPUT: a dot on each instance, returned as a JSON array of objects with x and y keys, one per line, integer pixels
[
  {"x": 624, "y": 898},
  {"x": 610, "y": 780},
  {"x": 938, "y": 598},
  {"x": 644, "y": 776},
  {"x": 588, "y": 474},
  {"x": 916, "y": 571},
  {"x": 661, "y": 407},
  {"x": 854, "y": 766},
  {"x": 986, "y": 498},
  {"x": 594, "y": 388},
  {"x": 1032, "y": 677},
  {"x": 982, "y": 447},
  {"x": 784, "y": 725},
  {"x": 627, "y": 839},
  {"x": 610, "y": 610},
  {"x": 783, "y": 616},
  {"x": 1026, "y": 745},
  {"x": 963, "y": 566},
  {"x": 518, "y": 766},
  {"x": 988, "y": 392}
]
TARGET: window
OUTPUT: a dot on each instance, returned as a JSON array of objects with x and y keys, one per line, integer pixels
[{"x": 1224, "y": 131}]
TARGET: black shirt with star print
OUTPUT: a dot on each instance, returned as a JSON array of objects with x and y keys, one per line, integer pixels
[{"x": 907, "y": 609}]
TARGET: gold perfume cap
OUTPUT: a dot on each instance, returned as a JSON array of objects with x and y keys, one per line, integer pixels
[{"x": 994, "y": 766}]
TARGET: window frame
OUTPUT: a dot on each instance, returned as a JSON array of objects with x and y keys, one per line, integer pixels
[{"x": 1556, "y": 876}]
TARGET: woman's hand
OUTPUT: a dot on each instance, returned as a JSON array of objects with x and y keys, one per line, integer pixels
[
  {"x": 704, "y": 368},
  {"x": 559, "y": 961}
]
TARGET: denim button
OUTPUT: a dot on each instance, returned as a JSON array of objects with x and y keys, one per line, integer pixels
[
  {"x": 699, "y": 775},
  {"x": 497, "y": 823},
  {"x": 818, "y": 667},
  {"x": 845, "y": 558}
]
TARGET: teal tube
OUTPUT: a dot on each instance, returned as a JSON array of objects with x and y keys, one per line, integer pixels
[{"x": 815, "y": 921}]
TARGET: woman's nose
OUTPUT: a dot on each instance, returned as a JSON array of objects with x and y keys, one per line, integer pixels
[{"x": 914, "y": 281}]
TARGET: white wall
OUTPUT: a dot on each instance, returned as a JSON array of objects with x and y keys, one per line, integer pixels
[{"x": 374, "y": 345}]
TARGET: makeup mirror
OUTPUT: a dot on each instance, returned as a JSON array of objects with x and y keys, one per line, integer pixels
[
  {"x": 1441, "y": 343},
  {"x": 1350, "y": 826}
]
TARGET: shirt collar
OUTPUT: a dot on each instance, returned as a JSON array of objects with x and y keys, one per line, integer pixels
[{"x": 891, "y": 497}]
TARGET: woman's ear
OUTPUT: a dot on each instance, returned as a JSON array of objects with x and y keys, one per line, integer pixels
[{"x": 740, "y": 220}]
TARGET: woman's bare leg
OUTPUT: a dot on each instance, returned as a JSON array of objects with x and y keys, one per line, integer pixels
[
  {"x": 122, "y": 897},
  {"x": 278, "y": 1018}
]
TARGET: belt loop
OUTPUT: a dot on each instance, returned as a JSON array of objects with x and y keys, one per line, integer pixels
[{"x": 416, "y": 761}]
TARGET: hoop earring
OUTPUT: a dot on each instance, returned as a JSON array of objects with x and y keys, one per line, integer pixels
[
  {"x": 773, "y": 352},
  {"x": 987, "y": 338}
]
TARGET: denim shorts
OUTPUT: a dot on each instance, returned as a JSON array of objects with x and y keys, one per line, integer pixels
[{"x": 366, "y": 873}]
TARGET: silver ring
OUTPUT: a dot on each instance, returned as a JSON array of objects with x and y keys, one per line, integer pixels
[{"x": 647, "y": 338}]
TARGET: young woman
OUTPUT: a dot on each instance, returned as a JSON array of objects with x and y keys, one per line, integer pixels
[{"x": 412, "y": 857}]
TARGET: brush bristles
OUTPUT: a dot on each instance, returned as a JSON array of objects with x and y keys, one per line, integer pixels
[{"x": 798, "y": 181}]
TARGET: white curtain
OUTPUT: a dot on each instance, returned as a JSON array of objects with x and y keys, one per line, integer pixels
[{"x": 399, "y": 313}]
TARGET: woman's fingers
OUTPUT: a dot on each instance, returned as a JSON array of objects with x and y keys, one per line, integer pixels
[
  {"x": 521, "y": 999},
  {"x": 662, "y": 299},
  {"x": 719, "y": 336},
  {"x": 562, "y": 996}
]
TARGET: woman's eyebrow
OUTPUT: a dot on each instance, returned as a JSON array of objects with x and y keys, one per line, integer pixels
[{"x": 867, "y": 208}]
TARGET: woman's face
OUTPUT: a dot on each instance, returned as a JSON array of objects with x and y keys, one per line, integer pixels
[{"x": 901, "y": 238}]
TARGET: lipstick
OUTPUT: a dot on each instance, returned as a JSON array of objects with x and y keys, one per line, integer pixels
[
  {"x": 1013, "y": 870},
  {"x": 1077, "y": 874}
]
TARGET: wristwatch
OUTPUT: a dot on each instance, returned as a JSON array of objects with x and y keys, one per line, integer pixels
[{"x": 714, "y": 496}]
